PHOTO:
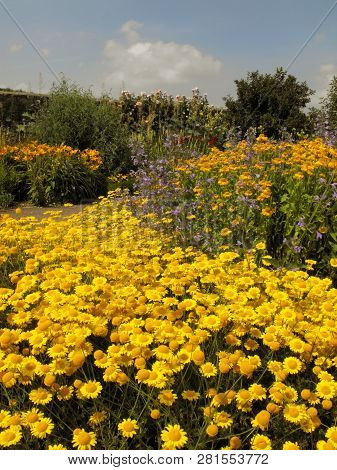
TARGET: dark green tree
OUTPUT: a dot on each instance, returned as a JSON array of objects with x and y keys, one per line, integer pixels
[{"x": 273, "y": 103}]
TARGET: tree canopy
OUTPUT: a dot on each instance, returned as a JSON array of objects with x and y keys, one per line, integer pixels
[{"x": 272, "y": 102}]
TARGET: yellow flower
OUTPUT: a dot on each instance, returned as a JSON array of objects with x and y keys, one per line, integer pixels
[
  {"x": 42, "y": 428},
  {"x": 294, "y": 413},
  {"x": 292, "y": 365},
  {"x": 222, "y": 419},
  {"x": 10, "y": 436},
  {"x": 167, "y": 397},
  {"x": 235, "y": 443},
  {"x": 260, "y": 442},
  {"x": 212, "y": 430},
  {"x": 57, "y": 447},
  {"x": 40, "y": 396},
  {"x": 267, "y": 211},
  {"x": 8, "y": 379},
  {"x": 128, "y": 427},
  {"x": 261, "y": 420},
  {"x": 225, "y": 232},
  {"x": 190, "y": 395},
  {"x": 173, "y": 437},
  {"x": 324, "y": 445},
  {"x": 32, "y": 416},
  {"x": 155, "y": 414},
  {"x": 64, "y": 393},
  {"x": 331, "y": 435},
  {"x": 91, "y": 389},
  {"x": 326, "y": 389},
  {"x": 288, "y": 445},
  {"x": 4, "y": 416},
  {"x": 260, "y": 246},
  {"x": 258, "y": 392},
  {"x": 208, "y": 370},
  {"x": 227, "y": 256},
  {"x": 83, "y": 440},
  {"x": 333, "y": 262},
  {"x": 14, "y": 420},
  {"x": 97, "y": 417},
  {"x": 187, "y": 304}
]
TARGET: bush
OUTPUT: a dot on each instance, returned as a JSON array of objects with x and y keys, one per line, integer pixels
[
  {"x": 59, "y": 180},
  {"x": 51, "y": 174},
  {"x": 74, "y": 117},
  {"x": 12, "y": 183},
  {"x": 6, "y": 200}
]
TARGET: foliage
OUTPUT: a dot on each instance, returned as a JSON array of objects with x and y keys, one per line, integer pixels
[
  {"x": 16, "y": 106},
  {"x": 330, "y": 105},
  {"x": 53, "y": 181},
  {"x": 110, "y": 339},
  {"x": 280, "y": 193},
  {"x": 162, "y": 115},
  {"x": 271, "y": 103},
  {"x": 12, "y": 183},
  {"x": 72, "y": 116},
  {"x": 53, "y": 174}
]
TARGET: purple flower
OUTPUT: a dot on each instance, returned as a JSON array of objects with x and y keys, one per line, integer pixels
[
  {"x": 301, "y": 223},
  {"x": 319, "y": 236}
]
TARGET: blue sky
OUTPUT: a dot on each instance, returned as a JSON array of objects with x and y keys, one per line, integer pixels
[{"x": 172, "y": 45}]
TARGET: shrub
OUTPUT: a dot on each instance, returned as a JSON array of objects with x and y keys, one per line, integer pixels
[
  {"x": 52, "y": 174},
  {"x": 12, "y": 182},
  {"x": 53, "y": 181},
  {"x": 6, "y": 200},
  {"x": 74, "y": 117}
]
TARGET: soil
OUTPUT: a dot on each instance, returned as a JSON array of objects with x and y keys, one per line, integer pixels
[{"x": 38, "y": 212}]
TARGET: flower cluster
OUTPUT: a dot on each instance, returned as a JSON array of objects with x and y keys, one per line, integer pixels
[
  {"x": 281, "y": 193},
  {"x": 32, "y": 150},
  {"x": 190, "y": 117},
  {"x": 111, "y": 339}
]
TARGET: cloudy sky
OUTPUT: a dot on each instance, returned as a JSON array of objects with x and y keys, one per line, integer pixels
[{"x": 175, "y": 45}]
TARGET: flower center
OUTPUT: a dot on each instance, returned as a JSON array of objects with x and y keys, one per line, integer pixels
[{"x": 174, "y": 435}]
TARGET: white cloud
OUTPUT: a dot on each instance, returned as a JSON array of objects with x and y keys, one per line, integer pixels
[
  {"x": 146, "y": 65},
  {"x": 325, "y": 75},
  {"x": 129, "y": 29},
  {"x": 328, "y": 70},
  {"x": 13, "y": 48}
]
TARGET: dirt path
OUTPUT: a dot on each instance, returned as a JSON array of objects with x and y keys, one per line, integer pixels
[{"x": 38, "y": 212}]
